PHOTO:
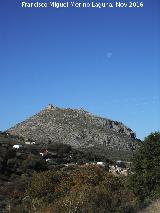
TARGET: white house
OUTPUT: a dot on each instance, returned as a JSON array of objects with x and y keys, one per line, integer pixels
[
  {"x": 27, "y": 143},
  {"x": 48, "y": 159},
  {"x": 17, "y": 146},
  {"x": 33, "y": 142},
  {"x": 101, "y": 164}
]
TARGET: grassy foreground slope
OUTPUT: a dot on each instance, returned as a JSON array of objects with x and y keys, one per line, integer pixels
[{"x": 154, "y": 207}]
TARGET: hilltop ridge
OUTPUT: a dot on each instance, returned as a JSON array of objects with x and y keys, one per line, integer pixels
[{"x": 76, "y": 127}]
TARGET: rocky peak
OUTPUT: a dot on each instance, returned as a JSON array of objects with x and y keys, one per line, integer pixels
[{"x": 76, "y": 127}]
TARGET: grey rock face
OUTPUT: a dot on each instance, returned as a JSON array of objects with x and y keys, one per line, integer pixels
[{"x": 76, "y": 127}]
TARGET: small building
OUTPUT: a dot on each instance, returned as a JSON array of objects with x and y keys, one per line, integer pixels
[
  {"x": 33, "y": 142},
  {"x": 101, "y": 164},
  {"x": 27, "y": 142},
  {"x": 17, "y": 146},
  {"x": 50, "y": 106}
]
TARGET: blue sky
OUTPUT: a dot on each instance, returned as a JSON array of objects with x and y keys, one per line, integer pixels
[{"x": 104, "y": 60}]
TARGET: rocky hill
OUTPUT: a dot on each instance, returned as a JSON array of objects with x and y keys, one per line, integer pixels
[{"x": 76, "y": 127}]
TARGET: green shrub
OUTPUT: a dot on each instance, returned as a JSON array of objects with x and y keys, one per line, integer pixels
[{"x": 145, "y": 182}]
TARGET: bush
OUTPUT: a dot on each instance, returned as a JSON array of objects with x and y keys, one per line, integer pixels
[
  {"x": 60, "y": 148},
  {"x": 83, "y": 189},
  {"x": 34, "y": 163}
]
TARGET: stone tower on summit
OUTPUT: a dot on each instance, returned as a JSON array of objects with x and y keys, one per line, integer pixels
[{"x": 50, "y": 106}]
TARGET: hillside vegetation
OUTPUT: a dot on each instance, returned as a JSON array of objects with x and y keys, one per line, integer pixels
[
  {"x": 68, "y": 183},
  {"x": 46, "y": 175}
]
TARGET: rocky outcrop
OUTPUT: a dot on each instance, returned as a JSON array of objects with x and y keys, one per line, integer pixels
[{"x": 76, "y": 127}]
